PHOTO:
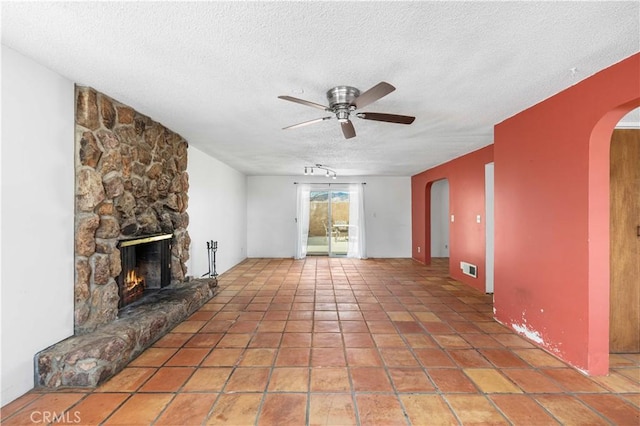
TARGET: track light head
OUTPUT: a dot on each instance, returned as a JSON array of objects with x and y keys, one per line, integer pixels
[{"x": 329, "y": 172}]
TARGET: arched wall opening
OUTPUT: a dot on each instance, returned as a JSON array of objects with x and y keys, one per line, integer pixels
[
  {"x": 466, "y": 178},
  {"x": 439, "y": 218},
  {"x": 600, "y": 237},
  {"x": 552, "y": 213}
]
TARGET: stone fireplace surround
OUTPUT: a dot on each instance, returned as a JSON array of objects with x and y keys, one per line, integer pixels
[{"x": 131, "y": 181}]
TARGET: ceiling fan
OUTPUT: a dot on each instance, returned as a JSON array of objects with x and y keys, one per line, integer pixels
[{"x": 345, "y": 100}]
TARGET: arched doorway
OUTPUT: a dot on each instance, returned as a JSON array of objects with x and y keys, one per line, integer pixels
[
  {"x": 624, "y": 313},
  {"x": 600, "y": 236},
  {"x": 439, "y": 219}
]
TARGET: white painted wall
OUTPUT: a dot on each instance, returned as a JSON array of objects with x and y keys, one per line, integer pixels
[
  {"x": 440, "y": 218},
  {"x": 37, "y": 228},
  {"x": 630, "y": 121},
  {"x": 37, "y": 153},
  {"x": 388, "y": 214},
  {"x": 217, "y": 211},
  {"x": 271, "y": 212}
]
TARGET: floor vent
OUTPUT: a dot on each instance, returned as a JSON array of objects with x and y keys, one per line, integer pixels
[{"x": 469, "y": 269}]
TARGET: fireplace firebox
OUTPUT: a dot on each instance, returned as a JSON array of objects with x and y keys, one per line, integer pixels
[{"x": 146, "y": 266}]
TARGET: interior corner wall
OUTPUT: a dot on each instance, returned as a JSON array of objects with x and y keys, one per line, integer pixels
[
  {"x": 552, "y": 216},
  {"x": 217, "y": 211},
  {"x": 466, "y": 201},
  {"x": 271, "y": 212},
  {"x": 37, "y": 216}
]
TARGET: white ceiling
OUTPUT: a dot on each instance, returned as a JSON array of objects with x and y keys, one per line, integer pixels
[{"x": 212, "y": 71}]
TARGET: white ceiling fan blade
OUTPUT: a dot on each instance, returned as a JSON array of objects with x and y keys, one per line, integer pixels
[{"x": 303, "y": 102}]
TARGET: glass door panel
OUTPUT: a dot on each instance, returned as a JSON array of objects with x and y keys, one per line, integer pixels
[
  {"x": 319, "y": 235},
  {"x": 339, "y": 223}
]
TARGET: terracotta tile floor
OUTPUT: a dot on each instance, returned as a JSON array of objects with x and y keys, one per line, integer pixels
[{"x": 341, "y": 341}]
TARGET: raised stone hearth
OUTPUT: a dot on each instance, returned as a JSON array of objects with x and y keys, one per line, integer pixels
[{"x": 89, "y": 359}]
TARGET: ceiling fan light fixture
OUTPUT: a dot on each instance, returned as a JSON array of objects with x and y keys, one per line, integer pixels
[{"x": 342, "y": 114}]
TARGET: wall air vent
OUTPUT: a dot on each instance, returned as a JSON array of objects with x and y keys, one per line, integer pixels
[{"x": 469, "y": 269}]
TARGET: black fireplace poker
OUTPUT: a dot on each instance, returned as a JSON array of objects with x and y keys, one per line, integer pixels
[{"x": 212, "y": 248}]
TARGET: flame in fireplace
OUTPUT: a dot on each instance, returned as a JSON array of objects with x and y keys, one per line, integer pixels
[
  {"x": 133, "y": 280},
  {"x": 133, "y": 286}
]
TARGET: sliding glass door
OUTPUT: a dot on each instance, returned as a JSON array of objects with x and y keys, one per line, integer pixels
[{"x": 328, "y": 222}]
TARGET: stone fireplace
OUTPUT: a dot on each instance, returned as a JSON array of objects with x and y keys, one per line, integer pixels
[
  {"x": 131, "y": 243},
  {"x": 131, "y": 183}
]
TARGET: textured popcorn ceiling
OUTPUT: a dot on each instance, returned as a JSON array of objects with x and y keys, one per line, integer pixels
[{"x": 212, "y": 71}]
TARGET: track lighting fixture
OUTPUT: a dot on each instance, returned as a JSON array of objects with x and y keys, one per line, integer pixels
[{"x": 308, "y": 170}]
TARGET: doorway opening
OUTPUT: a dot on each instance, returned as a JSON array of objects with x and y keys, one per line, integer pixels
[
  {"x": 328, "y": 223},
  {"x": 624, "y": 255},
  {"x": 489, "y": 225},
  {"x": 440, "y": 219}
]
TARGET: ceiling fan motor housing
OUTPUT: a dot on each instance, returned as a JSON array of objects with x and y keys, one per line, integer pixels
[{"x": 341, "y": 101}]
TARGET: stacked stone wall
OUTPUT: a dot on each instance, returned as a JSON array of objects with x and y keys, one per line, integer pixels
[{"x": 131, "y": 180}]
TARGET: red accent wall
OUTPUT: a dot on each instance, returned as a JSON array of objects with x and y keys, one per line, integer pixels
[
  {"x": 551, "y": 275},
  {"x": 552, "y": 215},
  {"x": 466, "y": 201}
]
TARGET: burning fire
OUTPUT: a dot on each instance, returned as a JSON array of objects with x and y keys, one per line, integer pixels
[{"x": 133, "y": 286}]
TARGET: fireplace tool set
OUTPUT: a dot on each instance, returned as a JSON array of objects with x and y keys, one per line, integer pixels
[{"x": 212, "y": 248}]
